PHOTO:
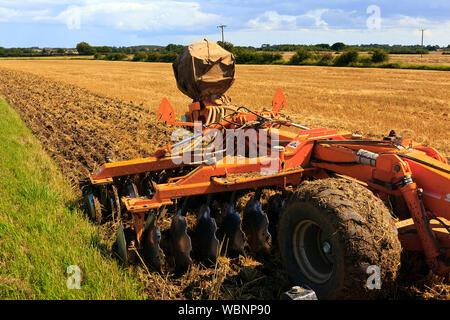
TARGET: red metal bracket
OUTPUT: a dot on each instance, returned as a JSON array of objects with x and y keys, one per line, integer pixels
[
  {"x": 278, "y": 102},
  {"x": 166, "y": 112}
]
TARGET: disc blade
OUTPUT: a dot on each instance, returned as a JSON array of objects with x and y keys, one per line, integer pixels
[
  {"x": 89, "y": 198},
  {"x": 181, "y": 246},
  {"x": 255, "y": 224},
  {"x": 230, "y": 231},
  {"x": 150, "y": 246},
  {"x": 274, "y": 207},
  {"x": 206, "y": 244},
  {"x": 120, "y": 246}
]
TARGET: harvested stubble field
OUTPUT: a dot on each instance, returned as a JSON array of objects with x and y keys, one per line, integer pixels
[
  {"x": 416, "y": 103},
  {"x": 82, "y": 111},
  {"x": 431, "y": 58}
]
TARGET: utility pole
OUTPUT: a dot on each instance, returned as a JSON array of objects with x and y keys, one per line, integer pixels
[
  {"x": 422, "y": 30},
  {"x": 221, "y": 27}
]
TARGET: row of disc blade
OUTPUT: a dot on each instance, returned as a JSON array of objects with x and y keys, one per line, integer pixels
[{"x": 207, "y": 241}]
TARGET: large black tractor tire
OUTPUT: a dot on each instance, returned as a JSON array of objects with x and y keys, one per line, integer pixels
[{"x": 336, "y": 237}]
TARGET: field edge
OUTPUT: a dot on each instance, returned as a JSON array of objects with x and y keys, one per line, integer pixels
[{"x": 43, "y": 232}]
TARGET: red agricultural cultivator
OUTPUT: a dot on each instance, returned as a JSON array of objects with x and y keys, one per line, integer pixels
[{"x": 339, "y": 203}]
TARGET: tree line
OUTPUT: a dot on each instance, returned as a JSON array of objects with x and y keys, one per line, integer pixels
[
  {"x": 245, "y": 54},
  {"x": 338, "y": 55},
  {"x": 266, "y": 54},
  {"x": 340, "y": 46},
  {"x": 34, "y": 52}
]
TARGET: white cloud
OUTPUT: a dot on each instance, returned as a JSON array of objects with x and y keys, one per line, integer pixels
[
  {"x": 317, "y": 16},
  {"x": 128, "y": 22},
  {"x": 6, "y": 14},
  {"x": 15, "y": 15},
  {"x": 271, "y": 20},
  {"x": 313, "y": 36},
  {"x": 405, "y": 21},
  {"x": 123, "y": 15},
  {"x": 436, "y": 32},
  {"x": 343, "y": 21}
]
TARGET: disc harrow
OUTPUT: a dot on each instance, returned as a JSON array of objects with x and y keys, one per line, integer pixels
[
  {"x": 179, "y": 244},
  {"x": 211, "y": 183}
]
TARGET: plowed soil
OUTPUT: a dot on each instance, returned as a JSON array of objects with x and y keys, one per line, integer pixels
[{"x": 79, "y": 128}]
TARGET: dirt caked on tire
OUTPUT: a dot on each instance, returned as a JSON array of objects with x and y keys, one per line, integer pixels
[{"x": 334, "y": 234}]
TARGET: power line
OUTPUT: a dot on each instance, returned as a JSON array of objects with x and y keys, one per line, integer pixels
[
  {"x": 221, "y": 27},
  {"x": 422, "y": 30}
]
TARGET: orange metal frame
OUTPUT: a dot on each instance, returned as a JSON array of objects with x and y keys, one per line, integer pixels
[{"x": 418, "y": 175}]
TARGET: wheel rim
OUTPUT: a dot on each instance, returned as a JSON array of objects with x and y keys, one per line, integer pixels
[{"x": 311, "y": 252}]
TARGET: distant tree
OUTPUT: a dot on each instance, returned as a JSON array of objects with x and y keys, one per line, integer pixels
[
  {"x": 346, "y": 58},
  {"x": 98, "y": 56},
  {"x": 267, "y": 57},
  {"x": 167, "y": 56},
  {"x": 422, "y": 51},
  {"x": 15, "y": 52},
  {"x": 116, "y": 56},
  {"x": 85, "y": 49},
  {"x": 246, "y": 56},
  {"x": 60, "y": 51},
  {"x": 324, "y": 46},
  {"x": 300, "y": 56},
  {"x": 379, "y": 55},
  {"x": 432, "y": 48},
  {"x": 140, "y": 56},
  {"x": 249, "y": 48},
  {"x": 338, "y": 46},
  {"x": 103, "y": 49},
  {"x": 227, "y": 46},
  {"x": 174, "y": 48},
  {"x": 326, "y": 58}
]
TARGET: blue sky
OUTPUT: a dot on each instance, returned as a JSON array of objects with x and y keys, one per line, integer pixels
[{"x": 63, "y": 23}]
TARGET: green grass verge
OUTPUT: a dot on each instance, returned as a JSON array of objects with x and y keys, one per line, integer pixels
[
  {"x": 435, "y": 67},
  {"x": 42, "y": 232}
]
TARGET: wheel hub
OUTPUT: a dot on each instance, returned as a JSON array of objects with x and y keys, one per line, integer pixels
[{"x": 311, "y": 253}]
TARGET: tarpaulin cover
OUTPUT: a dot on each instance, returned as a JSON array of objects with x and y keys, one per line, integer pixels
[{"x": 204, "y": 70}]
